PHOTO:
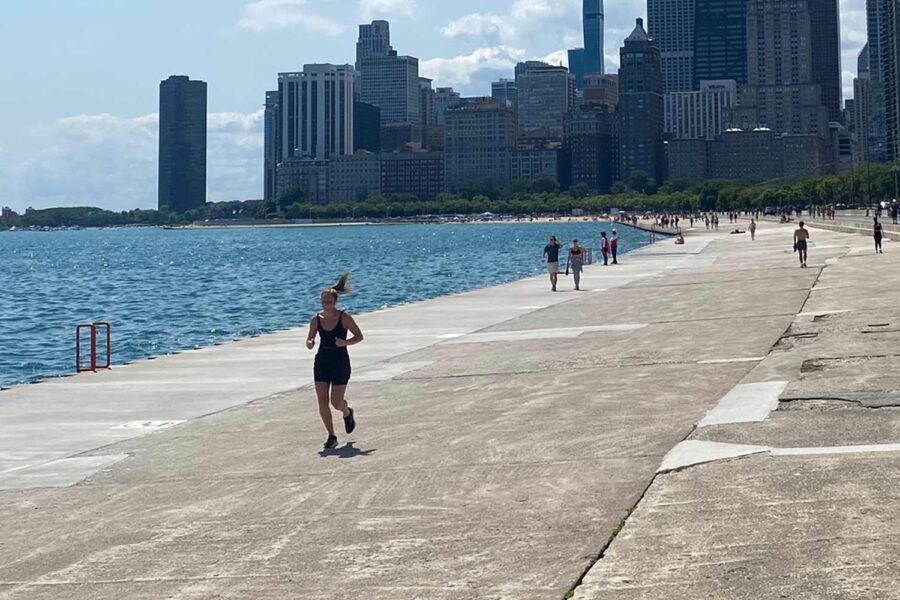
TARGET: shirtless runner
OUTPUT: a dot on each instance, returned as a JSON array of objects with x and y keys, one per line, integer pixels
[{"x": 801, "y": 241}]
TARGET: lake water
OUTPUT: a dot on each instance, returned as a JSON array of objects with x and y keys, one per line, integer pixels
[{"x": 171, "y": 290}]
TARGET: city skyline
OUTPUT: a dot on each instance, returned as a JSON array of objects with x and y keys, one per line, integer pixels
[{"x": 99, "y": 146}]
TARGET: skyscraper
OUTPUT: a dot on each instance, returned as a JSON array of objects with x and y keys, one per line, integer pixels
[
  {"x": 576, "y": 66},
  {"x": 271, "y": 143},
  {"x": 781, "y": 92},
  {"x": 876, "y": 128},
  {"x": 593, "y": 37},
  {"x": 182, "y": 144},
  {"x": 670, "y": 23},
  {"x": 862, "y": 87},
  {"x": 389, "y": 81},
  {"x": 444, "y": 98},
  {"x": 317, "y": 111},
  {"x": 480, "y": 134},
  {"x": 641, "y": 109},
  {"x": 889, "y": 15},
  {"x": 374, "y": 40},
  {"x": 720, "y": 40},
  {"x": 825, "y": 46},
  {"x": 505, "y": 90},
  {"x": 545, "y": 94}
]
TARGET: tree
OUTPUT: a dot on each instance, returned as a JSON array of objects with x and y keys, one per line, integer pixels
[{"x": 640, "y": 181}]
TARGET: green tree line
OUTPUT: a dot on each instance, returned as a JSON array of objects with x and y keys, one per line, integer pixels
[{"x": 541, "y": 196}]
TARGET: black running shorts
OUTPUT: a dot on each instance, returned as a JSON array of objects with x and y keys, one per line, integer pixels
[{"x": 332, "y": 367}]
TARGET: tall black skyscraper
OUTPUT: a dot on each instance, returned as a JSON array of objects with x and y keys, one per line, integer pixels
[
  {"x": 825, "y": 44},
  {"x": 641, "y": 107},
  {"x": 182, "y": 144},
  {"x": 720, "y": 40}
]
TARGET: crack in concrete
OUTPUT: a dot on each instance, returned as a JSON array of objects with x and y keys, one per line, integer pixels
[{"x": 784, "y": 404}]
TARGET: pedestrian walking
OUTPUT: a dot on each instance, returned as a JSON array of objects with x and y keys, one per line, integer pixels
[
  {"x": 878, "y": 232},
  {"x": 575, "y": 262},
  {"x": 752, "y": 229},
  {"x": 801, "y": 243},
  {"x": 604, "y": 248},
  {"x": 331, "y": 370},
  {"x": 614, "y": 247},
  {"x": 551, "y": 251}
]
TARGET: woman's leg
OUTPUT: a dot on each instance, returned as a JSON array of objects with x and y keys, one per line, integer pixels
[
  {"x": 337, "y": 399},
  {"x": 577, "y": 274},
  {"x": 324, "y": 409}
]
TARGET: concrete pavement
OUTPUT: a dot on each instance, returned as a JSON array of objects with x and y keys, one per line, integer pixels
[{"x": 504, "y": 436}]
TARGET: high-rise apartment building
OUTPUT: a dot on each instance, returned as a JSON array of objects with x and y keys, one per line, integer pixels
[
  {"x": 700, "y": 114},
  {"x": 479, "y": 135},
  {"x": 720, "y": 41},
  {"x": 374, "y": 40},
  {"x": 641, "y": 110},
  {"x": 182, "y": 144},
  {"x": 317, "y": 111},
  {"x": 505, "y": 90},
  {"x": 781, "y": 93},
  {"x": 593, "y": 36},
  {"x": 546, "y": 93},
  {"x": 670, "y": 23}
]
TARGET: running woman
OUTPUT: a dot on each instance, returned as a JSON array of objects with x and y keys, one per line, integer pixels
[
  {"x": 576, "y": 262},
  {"x": 332, "y": 366},
  {"x": 801, "y": 242}
]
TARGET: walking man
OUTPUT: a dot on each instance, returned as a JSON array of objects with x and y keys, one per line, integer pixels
[
  {"x": 614, "y": 247},
  {"x": 752, "y": 229},
  {"x": 604, "y": 248},
  {"x": 801, "y": 241},
  {"x": 551, "y": 251}
]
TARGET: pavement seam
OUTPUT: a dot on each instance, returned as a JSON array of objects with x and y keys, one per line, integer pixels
[{"x": 615, "y": 532}]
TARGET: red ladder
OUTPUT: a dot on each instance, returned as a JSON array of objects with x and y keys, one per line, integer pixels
[{"x": 93, "y": 327}]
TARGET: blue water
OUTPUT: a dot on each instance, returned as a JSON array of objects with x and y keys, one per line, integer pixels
[{"x": 167, "y": 291}]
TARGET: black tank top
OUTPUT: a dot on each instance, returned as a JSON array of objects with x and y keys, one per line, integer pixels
[{"x": 327, "y": 337}]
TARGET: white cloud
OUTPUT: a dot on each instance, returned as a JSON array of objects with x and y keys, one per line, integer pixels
[
  {"x": 374, "y": 9},
  {"x": 560, "y": 57},
  {"x": 525, "y": 19},
  {"x": 460, "y": 70},
  {"x": 262, "y": 15},
  {"x": 541, "y": 25},
  {"x": 111, "y": 161}
]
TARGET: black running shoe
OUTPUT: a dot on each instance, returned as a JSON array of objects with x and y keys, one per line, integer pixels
[
  {"x": 349, "y": 423},
  {"x": 331, "y": 442}
]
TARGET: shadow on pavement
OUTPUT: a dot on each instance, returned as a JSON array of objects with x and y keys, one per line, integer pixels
[{"x": 347, "y": 451}]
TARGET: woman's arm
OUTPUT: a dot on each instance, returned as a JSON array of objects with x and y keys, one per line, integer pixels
[
  {"x": 311, "y": 336},
  {"x": 353, "y": 328}
]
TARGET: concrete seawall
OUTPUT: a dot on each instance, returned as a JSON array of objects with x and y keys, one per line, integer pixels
[{"x": 505, "y": 435}]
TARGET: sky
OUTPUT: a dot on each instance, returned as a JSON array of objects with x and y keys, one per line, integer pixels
[{"x": 80, "y": 78}]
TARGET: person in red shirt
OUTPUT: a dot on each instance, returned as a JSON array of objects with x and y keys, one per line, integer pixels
[{"x": 604, "y": 247}]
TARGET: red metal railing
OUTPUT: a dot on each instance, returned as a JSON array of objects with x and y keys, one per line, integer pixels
[{"x": 93, "y": 365}]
